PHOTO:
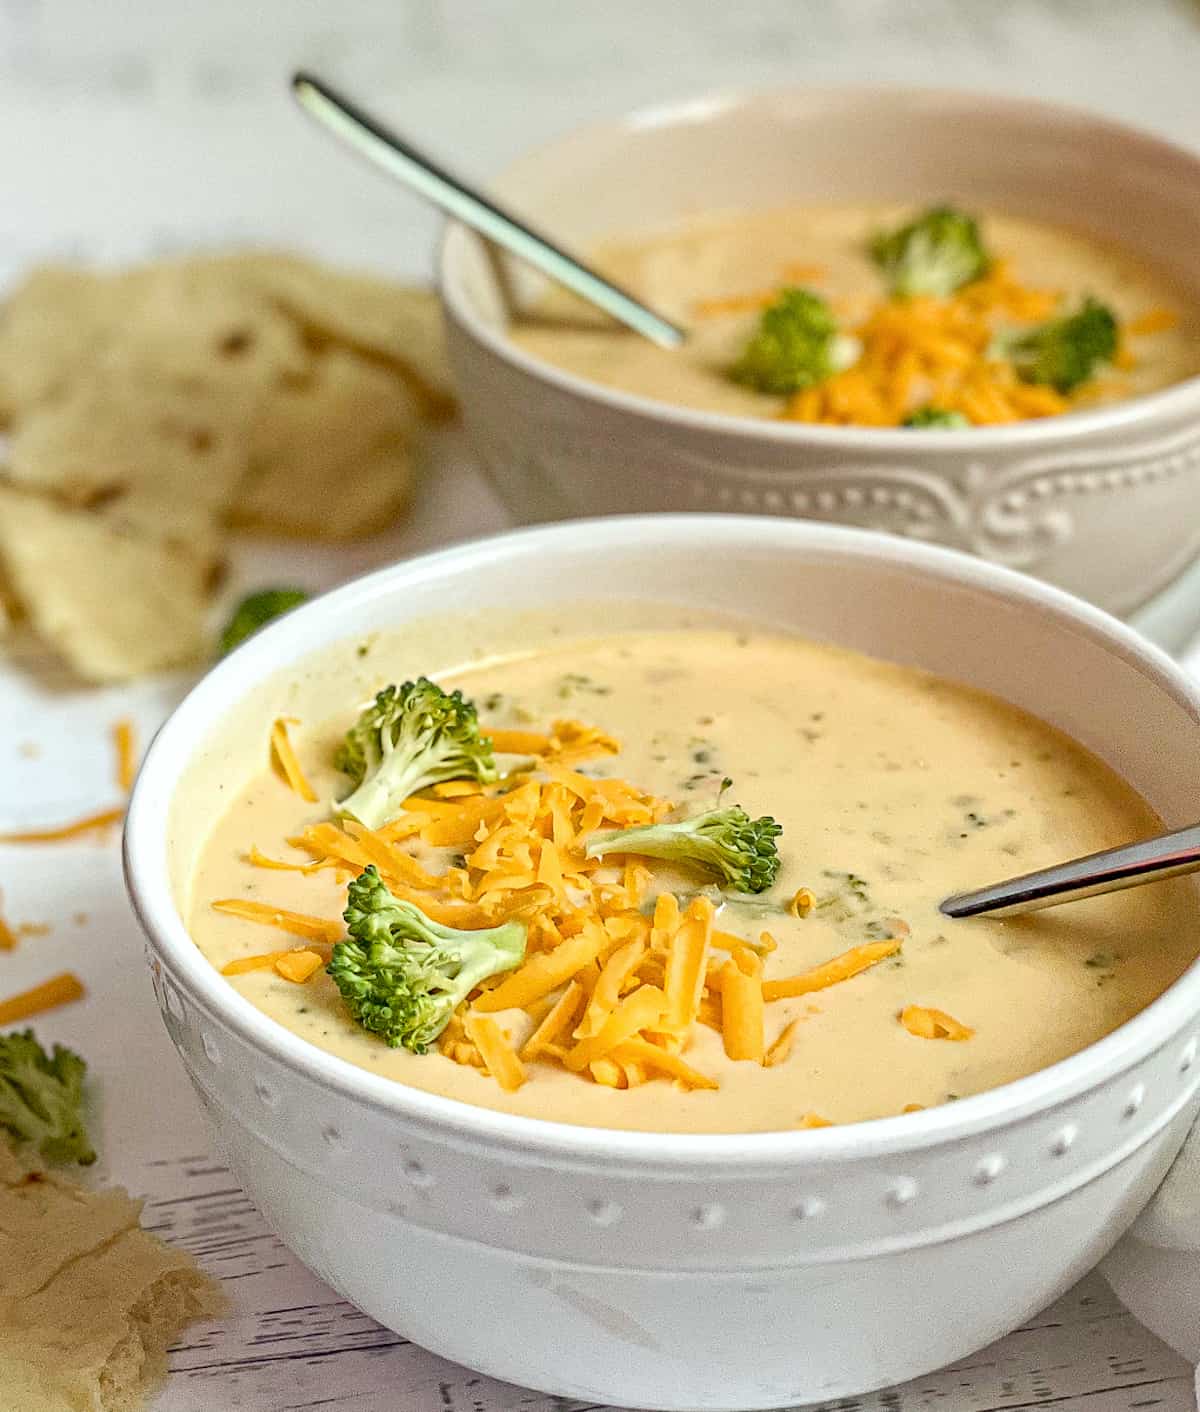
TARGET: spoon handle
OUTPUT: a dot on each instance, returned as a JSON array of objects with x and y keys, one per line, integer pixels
[
  {"x": 400, "y": 159},
  {"x": 1131, "y": 865}
]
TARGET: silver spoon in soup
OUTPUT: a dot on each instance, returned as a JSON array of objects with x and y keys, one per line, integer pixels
[
  {"x": 1164, "y": 856},
  {"x": 400, "y": 159}
]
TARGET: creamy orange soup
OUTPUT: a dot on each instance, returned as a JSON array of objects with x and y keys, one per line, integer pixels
[
  {"x": 714, "y": 276},
  {"x": 893, "y": 787}
]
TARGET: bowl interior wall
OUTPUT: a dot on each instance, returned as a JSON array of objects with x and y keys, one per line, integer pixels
[{"x": 830, "y": 146}]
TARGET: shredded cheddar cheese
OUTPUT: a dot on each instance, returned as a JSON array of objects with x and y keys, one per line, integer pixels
[
  {"x": 125, "y": 750},
  {"x": 928, "y": 1023},
  {"x": 801, "y": 902},
  {"x": 554, "y": 1022},
  {"x": 298, "y": 923},
  {"x": 8, "y": 937},
  {"x": 839, "y": 968},
  {"x": 1153, "y": 321},
  {"x": 735, "y": 303},
  {"x": 781, "y": 1048},
  {"x": 498, "y": 1056},
  {"x": 90, "y": 823},
  {"x": 263, "y": 961},
  {"x": 741, "y": 985},
  {"x": 58, "y": 990},
  {"x": 923, "y": 350},
  {"x": 300, "y": 965},
  {"x": 285, "y": 756},
  {"x": 651, "y": 1056},
  {"x": 641, "y": 1010},
  {"x": 616, "y": 979},
  {"x": 260, "y": 860}
]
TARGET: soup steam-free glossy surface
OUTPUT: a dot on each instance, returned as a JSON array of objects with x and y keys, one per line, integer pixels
[{"x": 894, "y": 788}]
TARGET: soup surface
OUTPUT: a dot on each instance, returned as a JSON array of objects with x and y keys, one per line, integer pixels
[
  {"x": 893, "y": 788},
  {"x": 715, "y": 276}
]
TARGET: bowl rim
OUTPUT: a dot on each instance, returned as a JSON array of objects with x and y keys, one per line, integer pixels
[
  {"x": 1068, "y": 427},
  {"x": 283, "y": 642}
]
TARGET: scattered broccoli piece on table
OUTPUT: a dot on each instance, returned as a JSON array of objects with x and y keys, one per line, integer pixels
[
  {"x": 796, "y": 345},
  {"x": 408, "y": 738},
  {"x": 41, "y": 1098},
  {"x": 935, "y": 254},
  {"x": 740, "y": 850},
  {"x": 401, "y": 974},
  {"x": 255, "y": 611},
  {"x": 1063, "y": 352},
  {"x": 932, "y": 416}
]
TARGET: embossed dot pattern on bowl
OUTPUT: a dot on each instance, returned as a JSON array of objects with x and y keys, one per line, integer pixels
[
  {"x": 988, "y": 1168},
  {"x": 808, "y": 1209},
  {"x": 416, "y": 1173},
  {"x": 1137, "y": 1096},
  {"x": 902, "y": 1192},
  {"x": 504, "y": 1199}
]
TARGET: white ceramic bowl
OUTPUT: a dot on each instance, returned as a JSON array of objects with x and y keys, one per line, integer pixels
[
  {"x": 682, "y": 1271},
  {"x": 1105, "y": 503}
]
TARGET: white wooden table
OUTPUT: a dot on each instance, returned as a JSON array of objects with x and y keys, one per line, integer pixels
[{"x": 130, "y": 127}]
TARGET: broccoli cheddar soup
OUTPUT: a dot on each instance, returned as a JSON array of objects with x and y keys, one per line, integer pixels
[
  {"x": 880, "y": 316},
  {"x": 684, "y": 880}
]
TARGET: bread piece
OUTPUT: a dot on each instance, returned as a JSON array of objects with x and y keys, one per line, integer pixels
[
  {"x": 55, "y": 321},
  {"x": 164, "y": 401},
  {"x": 117, "y": 592},
  {"x": 330, "y": 456},
  {"x": 396, "y": 324},
  {"x": 89, "y": 1302}
]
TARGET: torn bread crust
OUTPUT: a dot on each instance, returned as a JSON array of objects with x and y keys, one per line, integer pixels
[
  {"x": 165, "y": 404},
  {"x": 337, "y": 451},
  {"x": 149, "y": 410},
  {"x": 397, "y": 325},
  {"x": 89, "y": 1302},
  {"x": 109, "y": 594}
]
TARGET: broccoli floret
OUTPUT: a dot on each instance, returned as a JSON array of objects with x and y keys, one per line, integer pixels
[
  {"x": 408, "y": 738},
  {"x": 935, "y": 254},
  {"x": 401, "y": 974},
  {"x": 740, "y": 850},
  {"x": 1063, "y": 352},
  {"x": 41, "y": 1098},
  {"x": 797, "y": 344},
  {"x": 933, "y": 416},
  {"x": 255, "y": 611}
]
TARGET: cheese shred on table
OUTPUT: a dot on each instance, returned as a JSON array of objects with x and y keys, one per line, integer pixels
[
  {"x": 58, "y": 990},
  {"x": 77, "y": 828}
]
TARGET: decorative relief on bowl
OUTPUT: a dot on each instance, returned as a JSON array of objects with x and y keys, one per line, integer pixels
[
  {"x": 1016, "y": 515},
  {"x": 1023, "y": 513}
]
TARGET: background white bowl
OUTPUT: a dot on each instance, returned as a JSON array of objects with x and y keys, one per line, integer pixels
[
  {"x": 684, "y": 1271},
  {"x": 1105, "y": 503}
]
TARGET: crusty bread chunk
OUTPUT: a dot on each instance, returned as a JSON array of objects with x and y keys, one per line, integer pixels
[{"x": 89, "y": 1301}]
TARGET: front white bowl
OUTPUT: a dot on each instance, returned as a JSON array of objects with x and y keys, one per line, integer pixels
[
  {"x": 1105, "y": 503},
  {"x": 681, "y": 1271}
]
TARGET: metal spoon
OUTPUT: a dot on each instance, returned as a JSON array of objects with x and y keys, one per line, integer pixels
[
  {"x": 400, "y": 159},
  {"x": 1131, "y": 865}
]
